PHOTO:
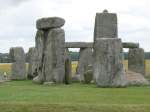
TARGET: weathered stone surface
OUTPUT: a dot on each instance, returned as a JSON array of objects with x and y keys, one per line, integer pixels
[
  {"x": 105, "y": 25},
  {"x": 130, "y": 45},
  {"x": 33, "y": 63},
  {"x": 90, "y": 45},
  {"x": 88, "y": 75},
  {"x": 136, "y": 61},
  {"x": 53, "y": 63},
  {"x": 68, "y": 68},
  {"x": 136, "y": 79},
  {"x": 39, "y": 45},
  {"x": 18, "y": 68},
  {"x": 48, "y": 23},
  {"x": 79, "y": 45},
  {"x": 85, "y": 59},
  {"x": 108, "y": 63},
  {"x": 76, "y": 78}
]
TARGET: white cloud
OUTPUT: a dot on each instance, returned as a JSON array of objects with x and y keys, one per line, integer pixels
[{"x": 18, "y": 17}]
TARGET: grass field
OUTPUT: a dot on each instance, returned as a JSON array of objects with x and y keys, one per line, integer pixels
[{"x": 25, "y": 96}]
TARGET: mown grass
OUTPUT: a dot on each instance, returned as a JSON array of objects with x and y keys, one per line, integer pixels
[{"x": 25, "y": 96}]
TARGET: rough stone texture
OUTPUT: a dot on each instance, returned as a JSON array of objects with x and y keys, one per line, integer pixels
[
  {"x": 105, "y": 25},
  {"x": 88, "y": 74},
  {"x": 48, "y": 23},
  {"x": 18, "y": 68},
  {"x": 53, "y": 63},
  {"x": 33, "y": 62},
  {"x": 39, "y": 45},
  {"x": 76, "y": 78},
  {"x": 130, "y": 45},
  {"x": 108, "y": 63},
  {"x": 68, "y": 68},
  {"x": 136, "y": 79},
  {"x": 79, "y": 45},
  {"x": 136, "y": 61},
  {"x": 85, "y": 59},
  {"x": 51, "y": 52}
]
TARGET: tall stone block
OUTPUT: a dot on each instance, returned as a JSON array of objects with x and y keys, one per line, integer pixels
[
  {"x": 85, "y": 59},
  {"x": 136, "y": 61},
  {"x": 108, "y": 63},
  {"x": 50, "y": 45},
  {"x": 105, "y": 25},
  {"x": 53, "y": 64},
  {"x": 18, "y": 67},
  {"x": 68, "y": 67},
  {"x": 33, "y": 63}
]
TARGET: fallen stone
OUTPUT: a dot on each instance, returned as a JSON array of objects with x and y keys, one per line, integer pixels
[
  {"x": 48, "y": 23},
  {"x": 136, "y": 79}
]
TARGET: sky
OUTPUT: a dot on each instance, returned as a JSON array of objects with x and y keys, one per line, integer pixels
[{"x": 18, "y": 20}]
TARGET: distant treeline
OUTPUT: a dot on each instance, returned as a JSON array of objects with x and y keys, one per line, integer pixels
[{"x": 4, "y": 57}]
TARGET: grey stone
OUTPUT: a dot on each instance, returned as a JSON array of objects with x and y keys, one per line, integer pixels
[
  {"x": 33, "y": 63},
  {"x": 48, "y": 23},
  {"x": 76, "y": 78},
  {"x": 85, "y": 59},
  {"x": 18, "y": 67},
  {"x": 48, "y": 83},
  {"x": 108, "y": 63},
  {"x": 130, "y": 45},
  {"x": 136, "y": 61},
  {"x": 68, "y": 68},
  {"x": 136, "y": 79},
  {"x": 79, "y": 45},
  {"x": 90, "y": 45},
  {"x": 53, "y": 60},
  {"x": 105, "y": 25},
  {"x": 88, "y": 76}
]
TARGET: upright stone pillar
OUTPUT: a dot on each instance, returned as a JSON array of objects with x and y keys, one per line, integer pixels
[
  {"x": 33, "y": 63},
  {"x": 136, "y": 61},
  {"x": 68, "y": 67},
  {"x": 50, "y": 44},
  {"x": 18, "y": 67},
  {"x": 105, "y": 25},
  {"x": 85, "y": 59},
  {"x": 108, "y": 63}
]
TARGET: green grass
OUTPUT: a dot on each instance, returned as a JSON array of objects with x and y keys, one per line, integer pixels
[{"x": 24, "y": 96}]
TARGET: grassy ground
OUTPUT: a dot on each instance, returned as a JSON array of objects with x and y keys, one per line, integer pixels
[{"x": 24, "y": 96}]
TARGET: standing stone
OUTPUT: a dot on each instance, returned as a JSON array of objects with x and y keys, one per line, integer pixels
[
  {"x": 50, "y": 45},
  {"x": 108, "y": 63},
  {"x": 105, "y": 25},
  {"x": 136, "y": 61},
  {"x": 33, "y": 63},
  {"x": 68, "y": 68},
  {"x": 85, "y": 59},
  {"x": 53, "y": 63},
  {"x": 18, "y": 68}
]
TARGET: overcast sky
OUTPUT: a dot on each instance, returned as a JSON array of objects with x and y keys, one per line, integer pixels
[{"x": 18, "y": 17}]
